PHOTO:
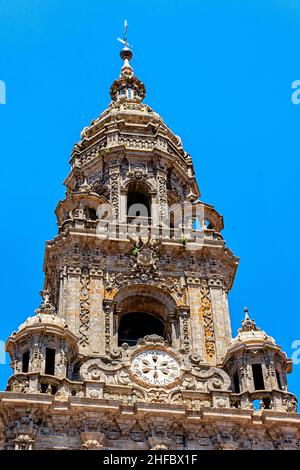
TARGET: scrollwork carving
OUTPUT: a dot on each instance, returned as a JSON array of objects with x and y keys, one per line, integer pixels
[{"x": 206, "y": 379}]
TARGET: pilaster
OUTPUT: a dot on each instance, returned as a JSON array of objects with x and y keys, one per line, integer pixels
[{"x": 221, "y": 320}]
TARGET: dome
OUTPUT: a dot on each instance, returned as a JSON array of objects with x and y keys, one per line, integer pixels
[
  {"x": 131, "y": 125},
  {"x": 43, "y": 319},
  {"x": 45, "y": 315},
  {"x": 250, "y": 334}
]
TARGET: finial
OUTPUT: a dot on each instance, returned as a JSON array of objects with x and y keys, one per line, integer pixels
[
  {"x": 127, "y": 86},
  {"x": 246, "y": 311},
  {"x": 84, "y": 187},
  {"x": 247, "y": 323},
  {"x": 45, "y": 295},
  {"x": 125, "y": 32},
  {"x": 46, "y": 306},
  {"x": 126, "y": 53}
]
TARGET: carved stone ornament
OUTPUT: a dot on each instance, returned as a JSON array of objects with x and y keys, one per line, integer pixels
[
  {"x": 200, "y": 377},
  {"x": 144, "y": 256},
  {"x": 194, "y": 387},
  {"x": 23, "y": 442},
  {"x": 171, "y": 284},
  {"x": 114, "y": 192},
  {"x": 92, "y": 440},
  {"x": 19, "y": 384},
  {"x": 207, "y": 318},
  {"x": 97, "y": 370},
  {"x": 144, "y": 270},
  {"x": 84, "y": 316}
]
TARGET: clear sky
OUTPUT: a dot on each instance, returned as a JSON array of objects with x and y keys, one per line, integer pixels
[{"x": 219, "y": 73}]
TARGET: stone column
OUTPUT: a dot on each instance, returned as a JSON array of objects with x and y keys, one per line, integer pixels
[
  {"x": 268, "y": 369},
  {"x": 221, "y": 320},
  {"x": 123, "y": 206},
  {"x": 174, "y": 332},
  {"x": 154, "y": 216},
  {"x": 196, "y": 320},
  {"x": 60, "y": 303},
  {"x": 62, "y": 360},
  {"x": 96, "y": 297},
  {"x": 123, "y": 215},
  {"x": 70, "y": 297},
  {"x": 245, "y": 374},
  {"x": 35, "y": 356}
]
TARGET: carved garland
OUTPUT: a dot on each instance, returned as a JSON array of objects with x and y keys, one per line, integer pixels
[
  {"x": 84, "y": 315},
  {"x": 107, "y": 307},
  {"x": 185, "y": 334},
  {"x": 163, "y": 203},
  {"x": 114, "y": 193},
  {"x": 206, "y": 314}
]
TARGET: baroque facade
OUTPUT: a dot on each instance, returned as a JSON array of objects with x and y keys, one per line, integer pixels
[{"x": 131, "y": 347}]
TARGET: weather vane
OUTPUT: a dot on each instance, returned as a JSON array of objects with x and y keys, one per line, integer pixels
[{"x": 124, "y": 41}]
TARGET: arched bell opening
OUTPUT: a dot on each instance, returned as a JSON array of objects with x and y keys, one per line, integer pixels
[
  {"x": 138, "y": 202},
  {"x": 136, "y": 325},
  {"x": 143, "y": 311}
]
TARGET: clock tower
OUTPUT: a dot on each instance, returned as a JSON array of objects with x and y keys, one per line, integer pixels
[{"x": 131, "y": 347}]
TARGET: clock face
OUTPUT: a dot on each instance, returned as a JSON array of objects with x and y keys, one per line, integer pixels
[{"x": 155, "y": 367}]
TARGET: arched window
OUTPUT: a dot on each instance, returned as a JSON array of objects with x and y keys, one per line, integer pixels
[
  {"x": 278, "y": 379},
  {"x": 236, "y": 382},
  {"x": 258, "y": 378},
  {"x": 197, "y": 224},
  {"x": 139, "y": 314},
  {"x": 25, "y": 362},
  {"x": 136, "y": 325},
  {"x": 138, "y": 200},
  {"x": 208, "y": 224},
  {"x": 92, "y": 214},
  {"x": 50, "y": 361},
  {"x": 76, "y": 372}
]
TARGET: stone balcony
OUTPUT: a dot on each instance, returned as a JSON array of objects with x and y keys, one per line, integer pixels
[
  {"x": 277, "y": 400},
  {"x": 140, "y": 226},
  {"x": 63, "y": 389}
]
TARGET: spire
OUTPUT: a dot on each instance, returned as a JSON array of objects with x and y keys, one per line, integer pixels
[
  {"x": 127, "y": 86},
  {"x": 247, "y": 323},
  {"x": 126, "y": 53}
]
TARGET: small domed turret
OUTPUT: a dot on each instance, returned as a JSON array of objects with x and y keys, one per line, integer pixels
[
  {"x": 258, "y": 367},
  {"x": 41, "y": 351}
]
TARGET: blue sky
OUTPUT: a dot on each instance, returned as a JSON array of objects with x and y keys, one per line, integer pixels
[{"x": 219, "y": 73}]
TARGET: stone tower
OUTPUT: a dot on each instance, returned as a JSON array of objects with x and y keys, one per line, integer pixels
[{"x": 131, "y": 347}]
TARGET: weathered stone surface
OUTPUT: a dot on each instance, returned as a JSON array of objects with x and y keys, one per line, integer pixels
[{"x": 176, "y": 379}]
